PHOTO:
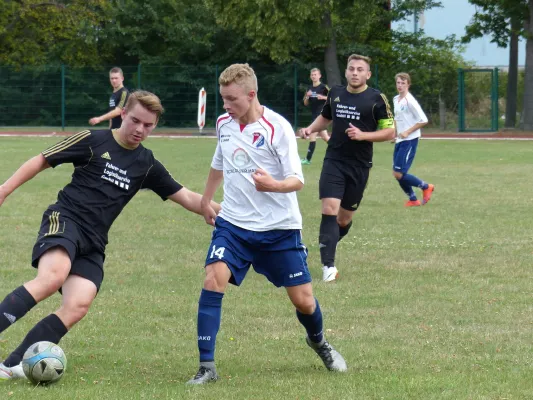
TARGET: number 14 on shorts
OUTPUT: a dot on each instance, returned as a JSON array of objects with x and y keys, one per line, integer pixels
[{"x": 217, "y": 252}]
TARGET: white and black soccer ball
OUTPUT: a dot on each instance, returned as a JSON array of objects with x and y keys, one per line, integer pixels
[{"x": 44, "y": 363}]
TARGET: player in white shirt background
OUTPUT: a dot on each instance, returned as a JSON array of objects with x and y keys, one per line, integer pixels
[
  {"x": 409, "y": 119},
  {"x": 260, "y": 221}
]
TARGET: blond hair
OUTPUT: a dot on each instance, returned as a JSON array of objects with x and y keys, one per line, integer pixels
[
  {"x": 366, "y": 59},
  {"x": 116, "y": 70},
  {"x": 315, "y": 70},
  {"x": 147, "y": 100},
  {"x": 240, "y": 74},
  {"x": 404, "y": 76}
]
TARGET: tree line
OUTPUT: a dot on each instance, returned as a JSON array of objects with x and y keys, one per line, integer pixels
[{"x": 89, "y": 33}]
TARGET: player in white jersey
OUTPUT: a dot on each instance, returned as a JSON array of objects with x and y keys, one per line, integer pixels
[
  {"x": 409, "y": 119},
  {"x": 260, "y": 221}
]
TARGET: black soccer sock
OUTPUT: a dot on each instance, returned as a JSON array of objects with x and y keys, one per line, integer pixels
[
  {"x": 343, "y": 230},
  {"x": 50, "y": 329},
  {"x": 311, "y": 150},
  {"x": 328, "y": 239},
  {"x": 15, "y": 306}
]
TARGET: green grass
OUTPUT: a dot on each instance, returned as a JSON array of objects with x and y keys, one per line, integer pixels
[{"x": 432, "y": 302}]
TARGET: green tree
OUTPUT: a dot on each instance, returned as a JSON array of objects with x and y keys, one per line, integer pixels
[
  {"x": 39, "y": 32},
  {"x": 505, "y": 21},
  {"x": 432, "y": 64},
  {"x": 286, "y": 30}
]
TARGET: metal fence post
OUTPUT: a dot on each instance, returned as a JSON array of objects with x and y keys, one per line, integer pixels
[
  {"x": 63, "y": 97},
  {"x": 460, "y": 100},
  {"x": 139, "y": 76},
  {"x": 216, "y": 94},
  {"x": 495, "y": 108},
  {"x": 295, "y": 96}
]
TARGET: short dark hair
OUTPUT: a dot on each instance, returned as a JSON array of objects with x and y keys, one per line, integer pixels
[
  {"x": 116, "y": 70},
  {"x": 366, "y": 59}
]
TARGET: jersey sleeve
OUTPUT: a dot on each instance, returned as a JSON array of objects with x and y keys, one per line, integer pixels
[
  {"x": 160, "y": 181},
  {"x": 218, "y": 162},
  {"x": 383, "y": 113},
  {"x": 75, "y": 149},
  {"x": 326, "y": 110},
  {"x": 123, "y": 98},
  {"x": 416, "y": 110},
  {"x": 286, "y": 147}
]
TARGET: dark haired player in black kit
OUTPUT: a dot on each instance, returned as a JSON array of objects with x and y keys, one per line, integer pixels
[
  {"x": 117, "y": 101},
  {"x": 361, "y": 115},
  {"x": 110, "y": 167},
  {"x": 315, "y": 97}
]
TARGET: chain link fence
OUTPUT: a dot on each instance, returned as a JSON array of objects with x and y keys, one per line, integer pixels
[{"x": 63, "y": 96}]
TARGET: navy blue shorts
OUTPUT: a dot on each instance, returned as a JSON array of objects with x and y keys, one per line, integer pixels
[
  {"x": 404, "y": 154},
  {"x": 279, "y": 255}
]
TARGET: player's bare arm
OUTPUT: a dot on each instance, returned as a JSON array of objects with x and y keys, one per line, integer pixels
[
  {"x": 415, "y": 127},
  {"x": 192, "y": 201},
  {"x": 319, "y": 124},
  {"x": 381, "y": 135},
  {"x": 264, "y": 182},
  {"x": 27, "y": 171},
  {"x": 214, "y": 179},
  {"x": 108, "y": 116}
]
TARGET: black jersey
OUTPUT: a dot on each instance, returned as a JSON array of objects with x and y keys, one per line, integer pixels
[
  {"x": 106, "y": 177},
  {"x": 368, "y": 110},
  {"x": 118, "y": 99},
  {"x": 315, "y": 104}
]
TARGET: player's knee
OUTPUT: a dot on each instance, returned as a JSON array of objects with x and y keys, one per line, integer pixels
[
  {"x": 50, "y": 282},
  {"x": 305, "y": 304},
  {"x": 73, "y": 312},
  {"x": 397, "y": 175},
  {"x": 344, "y": 221},
  {"x": 216, "y": 278},
  {"x": 329, "y": 209}
]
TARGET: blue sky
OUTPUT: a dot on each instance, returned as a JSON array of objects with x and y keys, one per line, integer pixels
[{"x": 452, "y": 19}]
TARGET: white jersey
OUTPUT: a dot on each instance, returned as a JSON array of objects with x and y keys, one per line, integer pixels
[
  {"x": 407, "y": 113},
  {"x": 269, "y": 144}
]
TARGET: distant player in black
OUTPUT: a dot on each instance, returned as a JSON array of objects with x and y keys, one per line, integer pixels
[
  {"x": 361, "y": 116},
  {"x": 110, "y": 168},
  {"x": 117, "y": 101},
  {"x": 315, "y": 97}
]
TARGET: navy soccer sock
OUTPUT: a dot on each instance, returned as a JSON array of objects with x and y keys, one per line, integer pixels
[
  {"x": 343, "y": 230},
  {"x": 328, "y": 239},
  {"x": 408, "y": 190},
  {"x": 412, "y": 180},
  {"x": 311, "y": 150},
  {"x": 50, "y": 329},
  {"x": 209, "y": 315},
  {"x": 15, "y": 306},
  {"x": 312, "y": 323}
]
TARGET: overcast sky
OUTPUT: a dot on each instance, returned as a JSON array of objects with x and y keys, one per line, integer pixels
[{"x": 452, "y": 19}]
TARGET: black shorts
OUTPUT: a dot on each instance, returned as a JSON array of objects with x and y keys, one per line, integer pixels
[
  {"x": 340, "y": 180},
  {"x": 86, "y": 257}
]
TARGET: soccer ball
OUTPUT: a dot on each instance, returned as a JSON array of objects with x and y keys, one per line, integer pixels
[{"x": 44, "y": 363}]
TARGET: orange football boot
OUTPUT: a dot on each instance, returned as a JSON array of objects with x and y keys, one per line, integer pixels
[
  {"x": 413, "y": 203},
  {"x": 426, "y": 193}
]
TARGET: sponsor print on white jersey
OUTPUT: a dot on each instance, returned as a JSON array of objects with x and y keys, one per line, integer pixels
[
  {"x": 407, "y": 112},
  {"x": 269, "y": 144}
]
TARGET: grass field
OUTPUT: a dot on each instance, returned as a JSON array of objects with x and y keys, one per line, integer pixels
[{"x": 432, "y": 302}]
